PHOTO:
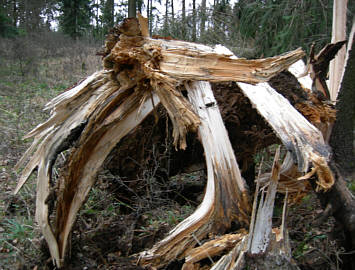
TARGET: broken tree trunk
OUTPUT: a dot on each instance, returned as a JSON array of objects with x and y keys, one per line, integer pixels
[
  {"x": 263, "y": 247},
  {"x": 226, "y": 196},
  {"x": 269, "y": 248},
  {"x": 92, "y": 117},
  {"x": 93, "y": 147},
  {"x": 336, "y": 67},
  {"x": 339, "y": 199},
  {"x": 342, "y": 136},
  {"x": 94, "y": 99},
  {"x": 304, "y": 142}
]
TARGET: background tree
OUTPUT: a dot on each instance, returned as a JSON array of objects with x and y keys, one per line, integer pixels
[
  {"x": 7, "y": 29},
  {"x": 132, "y": 8},
  {"x": 203, "y": 18},
  {"x": 183, "y": 20},
  {"x": 286, "y": 30},
  {"x": 166, "y": 23},
  {"x": 140, "y": 5},
  {"x": 108, "y": 14},
  {"x": 193, "y": 38},
  {"x": 75, "y": 17}
]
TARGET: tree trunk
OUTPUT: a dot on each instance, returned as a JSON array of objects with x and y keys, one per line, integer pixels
[
  {"x": 172, "y": 11},
  {"x": 109, "y": 14},
  {"x": 263, "y": 247},
  {"x": 166, "y": 23},
  {"x": 148, "y": 8},
  {"x": 342, "y": 136},
  {"x": 183, "y": 16},
  {"x": 339, "y": 198},
  {"x": 194, "y": 26},
  {"x": 112, "y": 13},
  {"x": 338, "y": 34},
  {"x": 132, "y": 10},
  {"x": 203, "y": 18},
  {"x": 151, "y": 17},
  {"x": 14, "y": 13},
  {"x": 341, "y": 203}
]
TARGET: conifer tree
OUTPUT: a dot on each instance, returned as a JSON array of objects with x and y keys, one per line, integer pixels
[
  {"x": 6, "y": 27},
  {"x": 108, "y": 14},
  {"x": 75, "y": 17}
]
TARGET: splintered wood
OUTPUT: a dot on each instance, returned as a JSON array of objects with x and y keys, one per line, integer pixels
[
  {"x": 263, "y": 247},
  {"x": 139, "y": 73},
  {"x": 226, "y": 197}
]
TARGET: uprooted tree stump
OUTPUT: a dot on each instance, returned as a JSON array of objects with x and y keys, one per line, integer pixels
[{"x": 139, "y": 74}]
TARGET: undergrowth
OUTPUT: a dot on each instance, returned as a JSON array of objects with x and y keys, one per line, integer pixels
[{"x": 31, "y": 74}]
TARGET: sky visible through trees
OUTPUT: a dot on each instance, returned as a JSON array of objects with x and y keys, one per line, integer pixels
[{"x": 250, "y": 28}]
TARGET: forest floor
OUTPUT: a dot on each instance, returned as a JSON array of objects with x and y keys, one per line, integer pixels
[{"x": 114, "y": 223}]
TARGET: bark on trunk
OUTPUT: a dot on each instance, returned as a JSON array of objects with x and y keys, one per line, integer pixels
[
  {"x": 339, "y": 199},
  {"x": 342, "y": 137}
]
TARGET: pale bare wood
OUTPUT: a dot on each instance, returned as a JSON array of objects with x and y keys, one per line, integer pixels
[
  {"x": 226, "y": 196},
  {"x": 48, "y": 139},
  {"x": 189, "y": 61},
  {"x": 272, "y": 243},
  {"x": 301, "y": 138},
  {"x": 235, "y": 259},
  {"x": 183, "y": 117},
  {"x": 337, "y": 66},
  {"x": 64, "y": 119},
  {"x": 214, "y": 247},
  {"x": 291, "y": 179},
  {"x": 299, "y": 70},
  {"x": 83, "y": 170},
  {"x": 164, "y": 61},
  {"x": 263, "y": 222},
  {"x": 69, "y": 111},
  {"x": 143, "y": 23},
  {"x": 269, "y": 248}
]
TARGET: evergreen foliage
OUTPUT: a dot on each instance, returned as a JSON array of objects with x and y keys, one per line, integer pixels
[
  {"x": 250, "y": 28},
  {"x": 6, "y": 28},
  {"x": 278, "y": 26},
  {"x": 75, "y": 17},
  {"x": 108, "y": 15}
]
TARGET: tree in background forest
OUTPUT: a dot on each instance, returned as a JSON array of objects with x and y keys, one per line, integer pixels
[
  {"x": 244, "y": 26},
  {"x": 7, "y": 29},
  {"x": 75, "y": 17},
  {"x": 108, "y": 14},
  {"x": 25, "y": 16},
  {"x": 293, "y": 24}
]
